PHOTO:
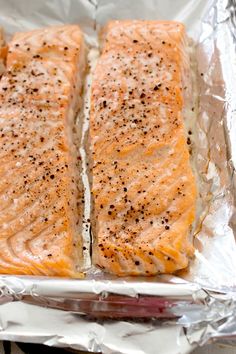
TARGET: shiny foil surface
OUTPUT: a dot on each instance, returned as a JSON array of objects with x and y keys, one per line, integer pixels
[{"x": 102, "y": 313}]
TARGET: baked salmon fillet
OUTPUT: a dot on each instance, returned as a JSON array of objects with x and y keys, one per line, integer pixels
[
  {"x": 3, "y": 52},
  {"x": 40, "y": 188},
  {"x": 143, "y": 187}
]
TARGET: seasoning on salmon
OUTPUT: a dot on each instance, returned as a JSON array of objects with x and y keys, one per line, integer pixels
[
  {"x": 41, "y": 193},
  {"x": 144, "y": 191}
]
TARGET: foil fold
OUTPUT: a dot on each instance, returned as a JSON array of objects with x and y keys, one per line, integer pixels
[{"x": 136, "y": 315}]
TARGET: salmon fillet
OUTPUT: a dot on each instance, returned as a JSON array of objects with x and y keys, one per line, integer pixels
[
  {"x": 41, "y": 193},
  {"x": 144, "y": 191},
  {"x": 3, "y": 52}
]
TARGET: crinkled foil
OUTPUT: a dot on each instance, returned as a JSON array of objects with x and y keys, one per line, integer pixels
[{"x": 105, "y": 314}]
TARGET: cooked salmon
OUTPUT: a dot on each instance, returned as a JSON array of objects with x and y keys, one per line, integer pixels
[
  {"x": 41, "y": 192},
  {"x": 144, "y": 190},
  {"x": 3, "y": 52}
]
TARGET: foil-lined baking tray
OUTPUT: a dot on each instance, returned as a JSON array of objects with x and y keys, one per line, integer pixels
[{"x": 102, "y": 313}]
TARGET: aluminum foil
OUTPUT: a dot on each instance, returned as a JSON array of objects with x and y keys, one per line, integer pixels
[{"x": 138, "y": 315}]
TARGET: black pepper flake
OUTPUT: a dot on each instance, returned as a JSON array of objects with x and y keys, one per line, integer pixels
[
  {"x": 157, "y": 87},
  {"x": 137, "y": 263},
  {"x": 167, "y": 227},
  {"x": 142, "y": 95},
  {"x": 52, "y": 176},
  {"x": 104, "y": 104},
  {"x": 135, "y": 41},
  {"x": 66, "y": 48},
  {"x": 125, "y": 189},
  {"x": 35, "y": 90}
]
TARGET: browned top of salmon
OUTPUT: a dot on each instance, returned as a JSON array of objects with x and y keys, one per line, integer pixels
[
  {"x": 40, "y": 191},
  {"x": 143, "y": 186}
]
